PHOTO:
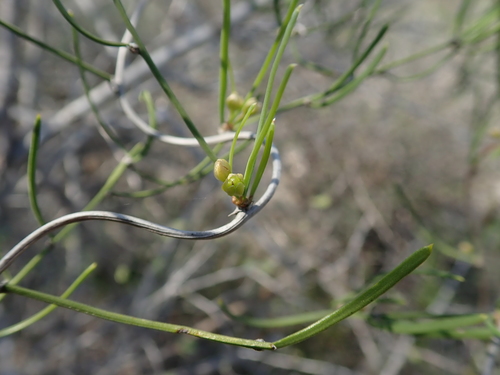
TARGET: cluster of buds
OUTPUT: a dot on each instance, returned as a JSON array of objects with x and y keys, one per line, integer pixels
[
  {"x": 235, "y": 103},
  {"x": 232, "y": 183}
]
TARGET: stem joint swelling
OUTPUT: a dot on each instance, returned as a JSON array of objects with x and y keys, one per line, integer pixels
[{"x": 134, "y": 48}]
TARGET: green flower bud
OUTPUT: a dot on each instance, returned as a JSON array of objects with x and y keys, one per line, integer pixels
[
  {"x": 222, "y": 169},
  {"x": 234, "y": 185},
  {"x": 247, "y": 105},
  {"x": 234, "y": 101}
]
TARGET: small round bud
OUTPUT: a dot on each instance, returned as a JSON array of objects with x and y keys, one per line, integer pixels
[
  {"x": 248, "y": 104},
  {"x": 234, "y": 101},
  {"x": 222, "y": 169},
  {"x": 234, "y": 185}
]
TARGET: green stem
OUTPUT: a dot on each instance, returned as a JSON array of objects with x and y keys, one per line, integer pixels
[
  {"x": 263, "y": 161},
  {"x": 272, "y": 50},
  {"x": 365, "y": 28},
  {"x": 252, "y": 159},
  {"x": 274, "y": 69},
  {"x": 46, "y": 311},
  {"x": 284, "y": 321},
  {"x": 412, "y": 327},
  {"x": 341, "y": 81},
  {"x": 163, "y": 83},
  {"x": 35, "y": 139},
  {"x": 153, "y": 124},
  {"x": 202, "y": 169},
  {"x": 240, "y": 127},
  {"x": 33, "y": 262},
  {"x": 81, "y": 30},
  {"x": 125, "y": 319},
  {"x": 459, "y": 19},
  {"x": 415, "y": 56},
  {"x": 86, "y": 88},
  {"x": 363, "y": 299},
  {"x": 351, "y": 86},
  {"x": 224, "y": 57},
  {"x": 62, "y": 54}
]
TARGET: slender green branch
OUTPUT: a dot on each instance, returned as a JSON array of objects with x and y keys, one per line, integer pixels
[
  {"x": 263, "y": 161},
  {"x": 33, "y": 262},
  {"x": 363, "y": 299},
  {"x": 366, "y": 27},
  {"x": 86, "y": 88},
  {"x": 482, "y": 333},
  {"x": 62, "y": 54},
  {"x": 351, "y": 86},
  {"x": 237, "y": 133},
  {"x": 427, "y": 326},
  {"x": 459, "y": 19},
  {"x": 341, "y": 81},
  {"x": 153, "y": 124},
  {"x": 285, "y": 321},
  {"x": 416, "y": 56},
  {"x": 163, "y": 83},
  {"x": 277, "y": 11},
  {"x": 35, "y": 138},
  {"x": 430, "y": 70},
  {"x": 200, "y": 170},
  {"x": 46, "y": 311},
  {"x": 81, "y": 30},
  {"x": 224, "y": 57},
  {"x": 497, "y": 50},
  {"x": 125, "y": 319},
  {"x": 252, "y": 159},
  {"x": 272, "y": 50},
  {"x": 274, "y": 69}
]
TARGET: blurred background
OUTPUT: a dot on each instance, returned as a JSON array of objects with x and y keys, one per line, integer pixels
[{"x": 409, "y": 158}]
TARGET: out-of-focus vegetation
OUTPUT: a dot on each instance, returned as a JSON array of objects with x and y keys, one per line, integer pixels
[{"x": 372, "y": 172}]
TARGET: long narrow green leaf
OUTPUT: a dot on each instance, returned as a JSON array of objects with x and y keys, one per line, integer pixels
[{"x": 366, "y": 297}]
